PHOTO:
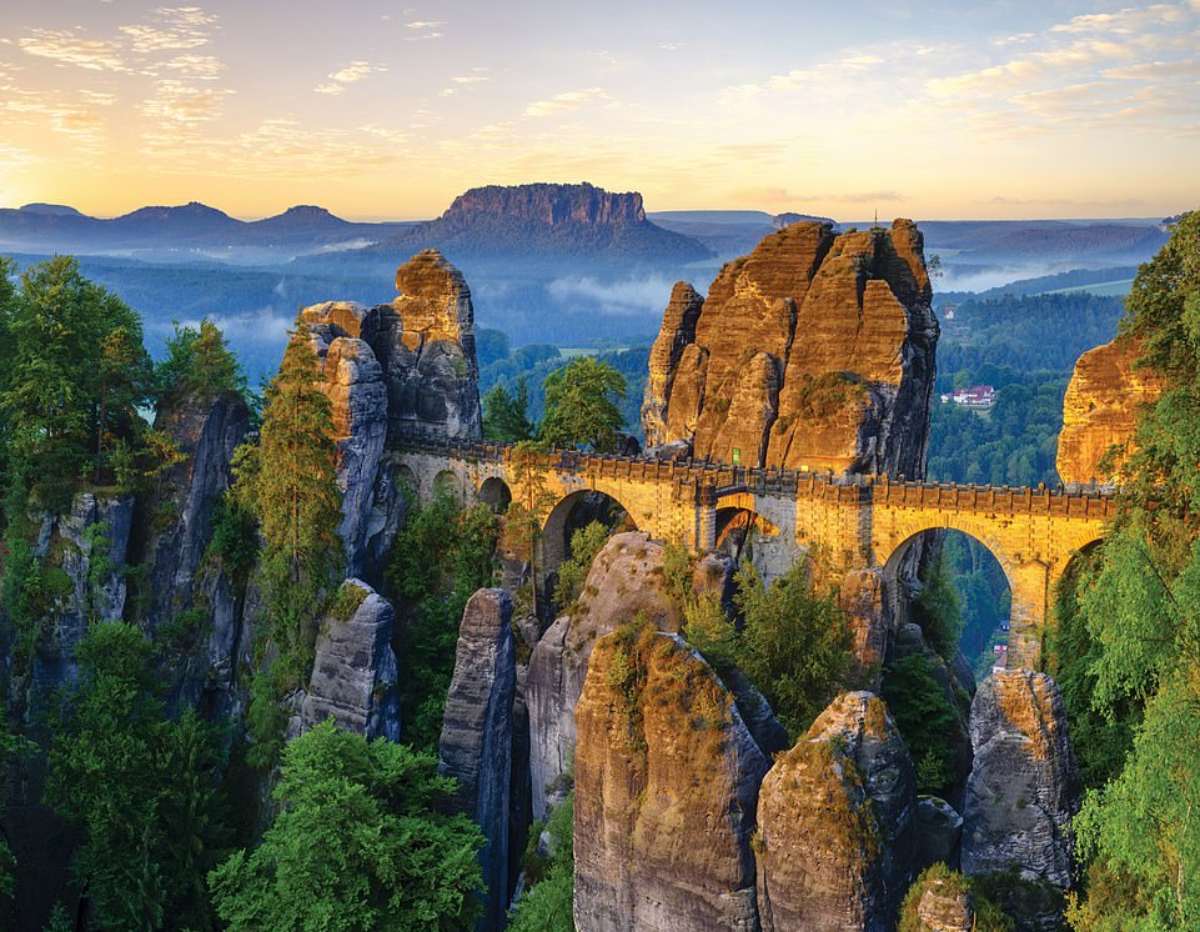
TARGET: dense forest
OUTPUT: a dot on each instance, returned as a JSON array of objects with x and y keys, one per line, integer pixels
[{"x": 134, "y": 797}]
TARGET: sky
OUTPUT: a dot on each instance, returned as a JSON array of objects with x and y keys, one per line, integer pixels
[{"x": 381, "y": 110}]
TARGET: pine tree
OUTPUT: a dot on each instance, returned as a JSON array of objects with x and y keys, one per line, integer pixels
[{"x": 290, "y": 482}]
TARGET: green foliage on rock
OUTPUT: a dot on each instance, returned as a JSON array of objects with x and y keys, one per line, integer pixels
[
  {"x": 547, "y": 904},
  {"x": 144, "y": 791},
  {"x": 987, "y": 915},
  {"x": 583, "y": 405},
  {"x": 360, "y": 842},
  {"x": 289, "y": 483},
  {"x": 794, "y": 644},
  {"x": 1139, "y": 620},
  {"x": 199, "y": 365},
  {"x": 442, "y": 555},
  {"x": 585, "y": 544},
  {"x": 925, "y": 718}
]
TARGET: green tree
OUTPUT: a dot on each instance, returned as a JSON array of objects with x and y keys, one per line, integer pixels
[
  {"x": 361, "y": 842},
  {"x": 925, "y": 717},
  {"x": 547, "y": 904},
  {"x": 289, "y": 483},
  {"x": 12, "y": 749},
  {"x": 440, "y": 557},
  {"x": 794, "y": 644},
  {"x": 504, "y": 415},
  {"x": 583, "y": 405},
  {"x": 1140, "y": 605},
  {"x": 199, "y": 364},
  {"x": 585, "y": 544},
  {"x": 76, "y": 375},
  {"x": 144, "y": 790},
  {"x": 939, "y": 608}
]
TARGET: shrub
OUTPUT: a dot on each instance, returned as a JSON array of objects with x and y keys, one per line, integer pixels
[
  {"x": 925, "y": 717},
  {"x": 585, "y": 544}
]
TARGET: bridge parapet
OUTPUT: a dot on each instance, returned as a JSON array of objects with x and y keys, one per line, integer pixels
[{"x": 726, "y": 479}]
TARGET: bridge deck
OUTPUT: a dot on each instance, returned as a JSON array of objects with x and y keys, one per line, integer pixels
[{"x": 720, "y": 480}]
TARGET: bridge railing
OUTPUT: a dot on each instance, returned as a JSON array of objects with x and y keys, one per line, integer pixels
[{"x": 728, "y": 479}]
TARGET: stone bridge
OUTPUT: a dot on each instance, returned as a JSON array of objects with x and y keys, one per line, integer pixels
[{"x": 849, "y": 524}]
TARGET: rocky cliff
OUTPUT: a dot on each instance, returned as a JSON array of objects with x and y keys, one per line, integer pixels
[
  {"x": 1023, "y": 788},
  {"x": 835, "y": 817},
  {"x": 476, "y": 745},
  {"x": 815, "y": 351},
  {"x": 666, "y": 779},
  {"x": 548, "y": 220},
  {"x": 1100, "y": 411},
  {"x": 405, "y": 366}
]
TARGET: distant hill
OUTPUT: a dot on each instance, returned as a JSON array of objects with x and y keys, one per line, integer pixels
[
  {"x": 191, "y": 227},
  {"x": 546, "y": 220},
  {"x": 51, "y": 210},
  {"x": 1044, "y": 240}
]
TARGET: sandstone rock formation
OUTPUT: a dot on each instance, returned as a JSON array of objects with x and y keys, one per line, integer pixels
[
  {"x": 835, "y": 820},
  {"x": 625, "y": 580},
  {"x": 938, "y": 832},
  {"x": 354, "y": 672},
  {"x": 177, "y": 577},
  {"x": 476, "y": 746},
  {"x": 666, "y": 778},
  {"x": 88, "y": 544},
  {"x": 1100, "y": 411},
  {"x": 405, "y": 366},
  {"x": 815, "y": 351},
  {"x": 1023, "y": 788},
  {"x": 945, "y": 905}
]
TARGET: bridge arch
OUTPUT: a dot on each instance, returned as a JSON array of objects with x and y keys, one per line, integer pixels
[
  {"x": 574, "y": 511},
  {"x": 448, "y": 481},
  {"x": 982, "y": 582},
  {"x": 495, "y": 493}
]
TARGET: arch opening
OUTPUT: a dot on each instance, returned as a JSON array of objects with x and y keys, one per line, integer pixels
[
  {"x": 744, "y": 534},
  {"x": 575, "y": 512},
  {"x": 495, "y": 493},
  {"x": 447, "y": 482},
  {"x": 937, "y": 574}
]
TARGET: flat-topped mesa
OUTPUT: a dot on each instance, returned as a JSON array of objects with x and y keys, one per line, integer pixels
[
  {"x": 1100, "y": 411},
  {"x": 551, "y": 204},
  {"x": 814, "y": 352}
]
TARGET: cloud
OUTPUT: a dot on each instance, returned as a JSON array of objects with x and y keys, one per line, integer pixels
[
  {"x": 204, "y": 67},
  {"x": 175, "y": 28},
  {"x": 626, "y": 298},
  {"x": 777, "y": 195},
  {"x": 470, "y": 78},
  {"x": 1152, "y": 70},
  {"x": 566, "y": 102},
  {"x": 422, "y": 29},
  {"x": 1035, "y": 64},
  {"x": 182, "y": 103},
  {"x": 1128, "y": 21},
  {"x": 671, "y": 46},
  {"x": 69, "y": 48},
  {"x": 350, "y": 74}
]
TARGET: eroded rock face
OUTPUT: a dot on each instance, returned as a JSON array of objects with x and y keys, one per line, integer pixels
[
  {"x": 477, "y": 734},
  {"x": 1100, "y": 411},
  {"x": 938, "y": 831},
  {"x": 946, "y": 907},
  {"x": 354, "y": 672},
  {"x": 625, "y": 579},
  {"x": 1023, "y": 788},
  {"x": 835, "y": 817},
  {"x": 677, "y": 332},
  {"x": 425, "y": 341},
  {"x": 405, "y": 366},
  {"x": 89, "y": 544},
  {"x": 666, "y": 780},
  {"x": 177, "y": 577},
  {"x": 815, "y": 351}
]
